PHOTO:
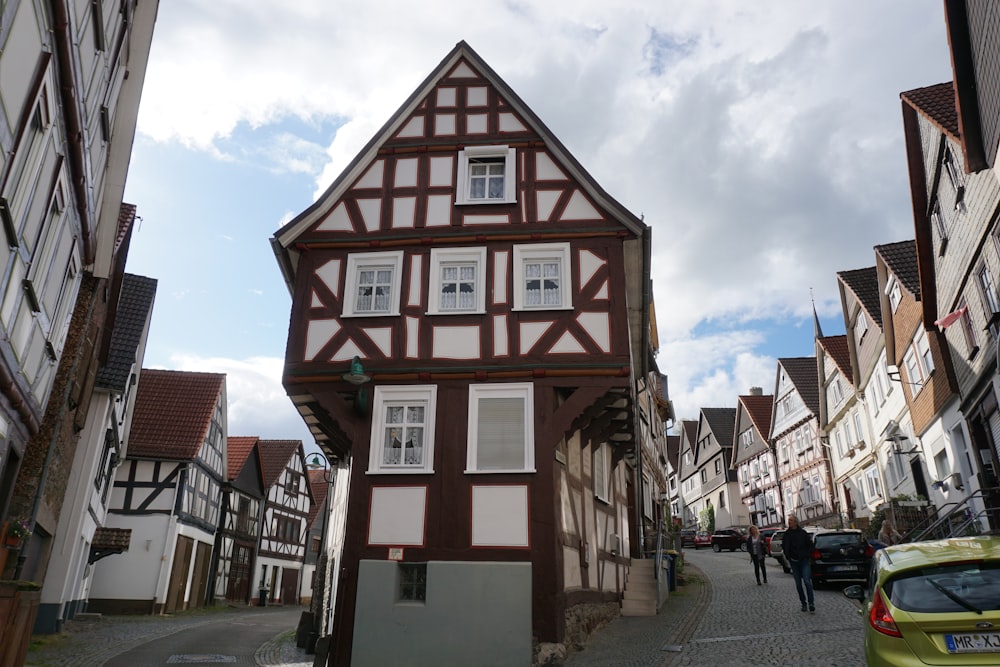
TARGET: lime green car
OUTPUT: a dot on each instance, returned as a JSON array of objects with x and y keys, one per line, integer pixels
[{"x": 933, "y": 603}]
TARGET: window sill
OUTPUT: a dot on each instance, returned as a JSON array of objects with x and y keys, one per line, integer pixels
[
  {"x": 478, "y": 202},
  {"x": 500, "y": 472},
  {"x": 477, "y": 311},
  {"x": 346, "y": 315},
  {"x": 415, "y": 471},
  {"x": 539, "y": 309}
]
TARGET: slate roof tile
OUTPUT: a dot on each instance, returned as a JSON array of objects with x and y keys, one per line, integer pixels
[
  {"x": 864, "y": 284},
  {"x": 937, "y": 103},
  {"x": 722, "y": 421},
  {"x": 173, "y": 410},
  {"x": 901, "y": 259},
  {"x": 134, "y": 307},
  {"x": 803, "y": 373}
]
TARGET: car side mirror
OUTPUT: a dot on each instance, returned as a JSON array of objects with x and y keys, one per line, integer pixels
[{"x": 855, "y": 592}]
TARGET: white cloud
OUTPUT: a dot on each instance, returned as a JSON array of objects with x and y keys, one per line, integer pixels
[{"x": 761, "y": 141}]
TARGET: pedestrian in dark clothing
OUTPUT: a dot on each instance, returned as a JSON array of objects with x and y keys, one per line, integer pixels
[
  {"x": 797, "y": 548},
  {"x": 758, "y": 552}
]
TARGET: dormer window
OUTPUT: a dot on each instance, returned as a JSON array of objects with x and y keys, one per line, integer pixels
[{"x": 486, "y": 175}]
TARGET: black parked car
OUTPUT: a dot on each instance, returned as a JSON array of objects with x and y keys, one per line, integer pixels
[
  {"x": 729, "y": 538},
  {"x": 839, "y": 555}
]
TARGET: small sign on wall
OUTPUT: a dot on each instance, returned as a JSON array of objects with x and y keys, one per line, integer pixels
[{"x": 396, "y": 553}]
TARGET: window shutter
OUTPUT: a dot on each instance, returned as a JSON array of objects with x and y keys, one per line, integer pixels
[{"x": 500, "y": 434}]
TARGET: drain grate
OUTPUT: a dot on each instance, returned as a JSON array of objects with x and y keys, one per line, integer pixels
[{"x": 201, "y": 659}]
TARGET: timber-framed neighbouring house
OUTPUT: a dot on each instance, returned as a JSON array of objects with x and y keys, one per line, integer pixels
[
  {"x": 168, "y": 492},
  {"x": 469, "y": 322}
]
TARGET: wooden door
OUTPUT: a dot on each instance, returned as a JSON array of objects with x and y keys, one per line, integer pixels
[
  {"x": 178, "y": 574},
  {"x": 289, "y": 586},
  {"x": 202, "y": 567},
  {"x": 239, "y": 574}
]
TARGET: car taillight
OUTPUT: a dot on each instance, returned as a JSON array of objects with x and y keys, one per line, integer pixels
[
  {"x": 881, "y": 619},
  {"x": 816, "y": 555},
  {"x": 869, "y": 551}
]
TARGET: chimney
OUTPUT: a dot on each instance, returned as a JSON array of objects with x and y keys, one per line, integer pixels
[{"x": 756, "y": 391}]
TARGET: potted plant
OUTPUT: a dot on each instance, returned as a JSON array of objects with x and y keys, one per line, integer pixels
[{"x": 16, "y": 532}]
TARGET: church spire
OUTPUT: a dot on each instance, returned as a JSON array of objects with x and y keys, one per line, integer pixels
[{"x": 817, "y": 329}]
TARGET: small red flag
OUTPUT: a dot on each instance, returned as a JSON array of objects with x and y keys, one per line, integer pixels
[{"x": 951, "y": 318}]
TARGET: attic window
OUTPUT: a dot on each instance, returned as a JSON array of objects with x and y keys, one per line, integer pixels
[
  {"x": 486, "y": 175},
  {"x": 893, "y": 292}
]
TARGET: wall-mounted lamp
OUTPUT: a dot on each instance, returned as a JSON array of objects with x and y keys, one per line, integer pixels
[
  {"x": 320, "y": 461},
  {"x": 356, "y": 375}
]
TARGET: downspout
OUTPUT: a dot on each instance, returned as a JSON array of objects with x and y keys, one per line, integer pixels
[
  {"x": 74, "y": 132},
  {"x": 644, "y": 366}
]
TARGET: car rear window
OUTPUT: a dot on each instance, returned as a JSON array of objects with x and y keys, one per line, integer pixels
[
  {"x": 948, "y": 588},
  {"x": 834, "y": 540}
]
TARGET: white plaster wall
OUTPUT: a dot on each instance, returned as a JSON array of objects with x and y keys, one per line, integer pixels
[{"x": 134, "y": 575}]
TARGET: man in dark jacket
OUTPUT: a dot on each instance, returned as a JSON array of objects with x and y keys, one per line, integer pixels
[{"x": 797, "y": 548}]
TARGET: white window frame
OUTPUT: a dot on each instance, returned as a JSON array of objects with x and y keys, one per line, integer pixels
[
  {"x": 522, "y": 390},
  {"x": 838, "y": 391},
  {"x": 873, "y": 485},
  {"x": 860, "y": 434},
  {"x": 444, "y": 257},
  {"x": 861, "y": 326},
  {"x": 893, "y": 292},
  {"x": 539, "y": 252},
  {"x": 462, "y": 191},
  {"x": 602, "y": 482},
  {"x": 358, "y": 262},
  {"x": 747, "y": 437},
  {"x": 407, "y": 396},
  {"x": 924, "y": 356}
]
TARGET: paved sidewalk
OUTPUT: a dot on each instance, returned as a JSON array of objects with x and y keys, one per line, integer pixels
[
  {"x": 88, "y": 643},
  {"x": 650, "y": 641}
]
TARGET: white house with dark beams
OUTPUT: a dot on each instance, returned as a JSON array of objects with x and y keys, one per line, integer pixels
[
  {"x": 168, "y": 492},
  {"x": 285, "y": 526}
]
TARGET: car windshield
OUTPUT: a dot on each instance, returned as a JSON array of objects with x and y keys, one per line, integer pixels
[
  {"x": 953, "y": 587},
  {"x": 834, "y": 540}
]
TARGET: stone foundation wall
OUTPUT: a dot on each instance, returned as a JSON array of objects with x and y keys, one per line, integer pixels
[{"x": 583, "y": 619}]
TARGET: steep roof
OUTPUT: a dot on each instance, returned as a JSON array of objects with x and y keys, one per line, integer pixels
[
  {"x": 673, "y": 450},
  {"x": 901, "y": 258},
  {"x": 937, "y": 104},
  {"x": 802, "y": 372},
  {"x": 134, "y": 307},
  {"x": 173, "y": 410},
  {"x": 274, "y": 457},
  {"x": 864, "y": 284},
  {"x": 319, "y": 488},
  {"x": 836, "y": 347},
  {"x": 759, "y": 409},
  {"x": 722, "y": 421},
  {"x": 238, "y": 448},
  {"x": 462, "y": 55}
]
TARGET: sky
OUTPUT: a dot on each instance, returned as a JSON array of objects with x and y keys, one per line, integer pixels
[{"x": 761, "y": 141}]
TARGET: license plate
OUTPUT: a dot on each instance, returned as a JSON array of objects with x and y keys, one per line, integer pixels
[
  {"x": 843, "y": 568},
  {"x": 973, "y": 642}
]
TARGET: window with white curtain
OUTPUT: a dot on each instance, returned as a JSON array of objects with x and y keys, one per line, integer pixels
[
  {"x": 501, "y": 428},
  {"x": 402, "y": 436},
  {"x": 456, "y": 281},
  {"x": 542, "y": 277}
]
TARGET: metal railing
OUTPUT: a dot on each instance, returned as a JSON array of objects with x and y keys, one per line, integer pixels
[{"x": 976, "y": 514}]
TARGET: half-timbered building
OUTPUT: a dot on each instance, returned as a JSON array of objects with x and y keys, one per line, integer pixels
[
  {"x": 82, "y": 537},
  {"x": 242, "y": 509},
  {"x": 803, "y": 464},
  {"x": 691, "y": 502},
  {"x": 287, "y": 503},
  {"x": 719, "y": 489},
  {"x": 468, "y": 324},
  {"x": 168, "y": 492},
  {"x": 753, "y": 459}
]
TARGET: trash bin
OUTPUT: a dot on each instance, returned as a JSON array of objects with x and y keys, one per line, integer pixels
[
  {"x": 262, "y": 597},
  {"x": 671, "y": 573}
]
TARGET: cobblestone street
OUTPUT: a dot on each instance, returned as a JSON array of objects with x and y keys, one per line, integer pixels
[{"x": 722, "y": 617}]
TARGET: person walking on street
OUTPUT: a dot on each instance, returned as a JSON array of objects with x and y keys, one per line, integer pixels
[
  {"x": 758, "y": 553},
  {"x": 889, "y": 535},
  {"x": 797, "y": 548}
]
